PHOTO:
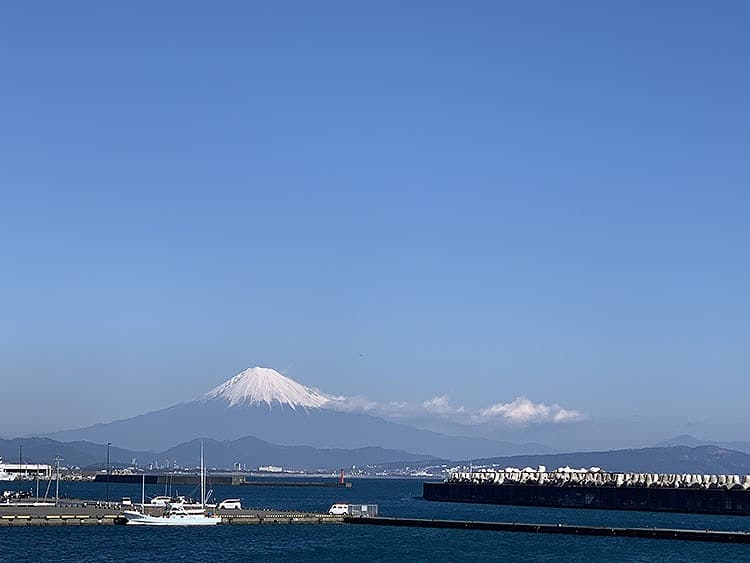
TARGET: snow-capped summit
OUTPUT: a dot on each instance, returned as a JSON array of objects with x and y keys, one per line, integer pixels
[{"x": 266, "y": 385}]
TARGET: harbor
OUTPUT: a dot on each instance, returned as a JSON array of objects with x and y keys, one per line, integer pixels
[
  {"x": 567, "y": 488},
  {"x": 97, "y": 513}
]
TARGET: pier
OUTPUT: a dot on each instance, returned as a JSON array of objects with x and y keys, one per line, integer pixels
[
  {"x": 167, "y": 479},
  {"x": 601, "y": 531},
  {"x": 88, "y": 513},
  {"x": 216, "y": 479},
  {"x": 295, "y": 483}
]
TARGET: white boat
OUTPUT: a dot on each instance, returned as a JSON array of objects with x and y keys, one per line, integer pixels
[
  {"x": 172, "y": 516},
  {"x": 177, "y": 513}
]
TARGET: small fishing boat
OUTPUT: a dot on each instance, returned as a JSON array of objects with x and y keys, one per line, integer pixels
[
  {"x": 172, "y": 516},
  {"x": 177, "y": 513}
]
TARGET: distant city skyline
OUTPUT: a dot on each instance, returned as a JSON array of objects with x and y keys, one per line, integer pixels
[{"x": 436, "y": 204}]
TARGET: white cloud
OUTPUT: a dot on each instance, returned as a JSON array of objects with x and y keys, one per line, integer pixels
[
  {"x": 441, "y": 405},
  {"x": 353, "y": 404},
  {"x": 522, "y": 412},
  {"x": 519, "y": 412},
  {"x": 365, "y": 405}
]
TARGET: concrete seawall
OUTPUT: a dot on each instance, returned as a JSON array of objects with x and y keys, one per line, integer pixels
[
  {"x": 79, "y": 515},
  {"x": 167, "y": 479},
  {"x": 648, "y": 533},
  {"x": 696, "y": 501}
]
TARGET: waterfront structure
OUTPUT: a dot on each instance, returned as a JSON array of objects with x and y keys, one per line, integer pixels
[
  {"x": 595, "y": 476},
  {"x": 24, "y": 470},
  {"x": 594, "y": 488},
  {"x": 270, "y": 469}
]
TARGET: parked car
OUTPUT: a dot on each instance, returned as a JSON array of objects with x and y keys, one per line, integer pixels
[
  {"x": 231, "y": 504},
  {"x": 339, "y": 509},
  {"x": 360, "y": 510}
]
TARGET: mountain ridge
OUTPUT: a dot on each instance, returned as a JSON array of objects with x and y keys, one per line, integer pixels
[
  {"x": 247, "y": 450},
  {"x": 656, "y": 459},
  {"x": 253, "y": 452},
  {"x": 691, "y": 441}
]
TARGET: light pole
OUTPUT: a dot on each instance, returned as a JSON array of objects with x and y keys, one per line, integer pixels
[
  {"x": 108, "y": 445},
  {"x": 20, "y": 461}
]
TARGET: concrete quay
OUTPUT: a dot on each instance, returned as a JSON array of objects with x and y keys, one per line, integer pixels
[
  {"x": 87, "y": 513},
  {"x": 91, "y": 515},
  {"x": 601, "y": 531}
]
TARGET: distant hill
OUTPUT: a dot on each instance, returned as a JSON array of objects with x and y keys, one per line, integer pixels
[
  {"x": 690, "y": 441},
  {"x": 673, "y": 459},
  {"x": 254, "y": 453},
  {"x": 249, "y": 451},
  {"x": 79, "y": 453}
]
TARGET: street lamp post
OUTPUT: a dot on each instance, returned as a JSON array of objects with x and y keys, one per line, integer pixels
[{"x": 108, "y": 445}]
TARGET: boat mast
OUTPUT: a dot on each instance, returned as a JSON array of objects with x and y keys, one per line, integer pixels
[
  {"x": 203, "y": 478},
  {"x": 58, "y": 459},
  {"x": 143, "y": 493}
]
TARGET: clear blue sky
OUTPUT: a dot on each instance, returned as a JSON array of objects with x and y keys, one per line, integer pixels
[{"x": 485, "y": 199}]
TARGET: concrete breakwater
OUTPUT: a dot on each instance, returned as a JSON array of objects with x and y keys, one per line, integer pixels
[
  {"x": 602, "y": 531},
  {"x": 295, "y": 483},
  {"x": 595, "y": 477},
  {"x": 659, "y": 499},
  {"x": 594, "y": 488},
  {"x": 167, "y": 479},
  {"x": 216, "y": 479}
]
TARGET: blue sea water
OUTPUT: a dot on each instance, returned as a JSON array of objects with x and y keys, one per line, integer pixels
[{"x": 339, "y": 542}]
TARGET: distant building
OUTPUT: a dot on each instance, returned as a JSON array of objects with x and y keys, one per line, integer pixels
[
  {"x": 270, "y": 469},
  {"x": 26, "y": 469}
]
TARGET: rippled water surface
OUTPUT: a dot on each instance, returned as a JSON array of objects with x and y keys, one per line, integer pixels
[{"x": 337, "y": 542}]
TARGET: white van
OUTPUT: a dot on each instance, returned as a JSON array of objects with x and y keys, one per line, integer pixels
[
  {"x": 231, "y": 504},
  {"x": 339, "y": 509},
  {"x": 360, "y": 510}
]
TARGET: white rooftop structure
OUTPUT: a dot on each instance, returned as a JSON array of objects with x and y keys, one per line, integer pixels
[{"x": 26, "y": 469}]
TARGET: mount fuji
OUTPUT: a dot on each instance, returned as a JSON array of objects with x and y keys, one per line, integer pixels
[
  {"x": 264, "y": 385},
  {"x": 263, "y": 403}
]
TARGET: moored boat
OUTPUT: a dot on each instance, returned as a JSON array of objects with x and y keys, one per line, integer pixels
[
  {"x": 177, "y": 513},
  {"x": 172, "y": 516}
]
